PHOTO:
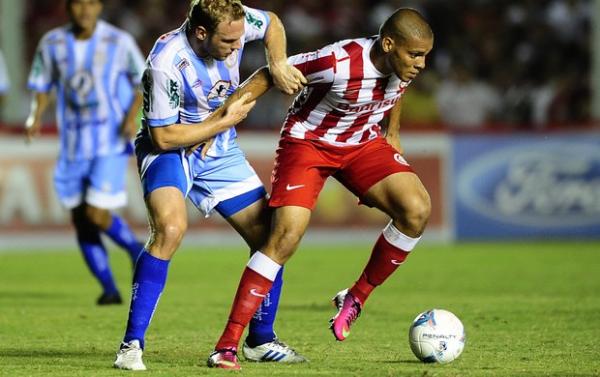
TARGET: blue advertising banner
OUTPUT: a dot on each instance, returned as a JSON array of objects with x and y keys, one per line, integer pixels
[{"x": 527, "y": 186}]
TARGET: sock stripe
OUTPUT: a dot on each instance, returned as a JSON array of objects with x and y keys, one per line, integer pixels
[
  {"x": 398, "y": 239},
  {"x": 263, "y": 265}
]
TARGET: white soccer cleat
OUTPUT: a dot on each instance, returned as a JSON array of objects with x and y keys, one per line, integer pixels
[
  {"x": 275, "y": 351},
  {"x": 129, "y": 356}
]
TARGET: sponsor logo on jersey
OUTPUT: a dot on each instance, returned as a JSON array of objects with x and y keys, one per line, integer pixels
[
  {"x": 173, "y": 88},
  {"x": 369, "y": 106},
  {"x": 183, "y": 64},
  {"x": 253, "y": 20}
]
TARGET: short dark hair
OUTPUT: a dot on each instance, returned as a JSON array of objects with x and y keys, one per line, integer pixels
[
  {"x": 68, "y": 2},
  {"x": 209, "y": 13},
  {"x": 405, "y": 23}
]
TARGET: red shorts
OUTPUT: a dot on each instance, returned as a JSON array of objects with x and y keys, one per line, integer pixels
[{"x": 302, "y": 167}]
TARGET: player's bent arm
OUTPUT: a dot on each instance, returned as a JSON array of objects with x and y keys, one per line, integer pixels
[
  {"x": 177, "y": 136},
  {"x": 392, "y": 134},
  {"x": 39, "y": 104},
  {"x": 285, "y": 77}
]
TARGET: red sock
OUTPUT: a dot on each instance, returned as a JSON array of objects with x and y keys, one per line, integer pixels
[
  {"x": 252, "y": 289},
  {"x": 385, "y": 258}
]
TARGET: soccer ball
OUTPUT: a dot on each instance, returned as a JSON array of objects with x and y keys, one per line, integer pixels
[{"x": 436, "y": 336}]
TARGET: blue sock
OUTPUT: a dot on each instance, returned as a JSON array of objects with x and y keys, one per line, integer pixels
[
  {"x": 96, "y": 259},
  {"x": 122, "y": 235},
  {"x": 261, "y": 326},
  {"x": 149, "y": 281}
]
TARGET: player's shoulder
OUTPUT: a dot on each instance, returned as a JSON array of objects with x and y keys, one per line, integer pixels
[
  {"x": 169, "y": 49},
  {"x": 114, "y": 33},
  {"x": 352, "y": 46},
  {"x": 56, "y": 35}
]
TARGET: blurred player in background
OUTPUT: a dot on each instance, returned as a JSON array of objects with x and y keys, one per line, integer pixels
[
  {"x": 95, "y": 69},
  {"x": 4, "y": 81},
  {"x": 190, "y": 72},
  {"x": 332, "y": 130}
]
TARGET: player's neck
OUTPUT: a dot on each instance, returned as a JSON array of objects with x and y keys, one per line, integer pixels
[
  {"x": 378, "y": 59},
  {"x": 196, "y": 45},
  {"x": 83, "y": 34}
]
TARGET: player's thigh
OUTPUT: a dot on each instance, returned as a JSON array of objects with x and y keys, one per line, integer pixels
[
  {"x": 70, "y": 181},
  {"x": 300, "y": 172},
  {"x": 253, "y": 223},
  {"x": 165, "y": 183},
  {"x": 399, "y": 195},
  {"x": 106, "y": 189}
]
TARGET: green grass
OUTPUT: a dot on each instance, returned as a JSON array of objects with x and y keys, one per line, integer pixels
[{"x": 529, "y": 309}]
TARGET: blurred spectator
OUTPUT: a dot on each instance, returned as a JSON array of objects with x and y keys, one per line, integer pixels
[
  {"x": 532, "y": 56},
  {"x": 466, "y": 102}
]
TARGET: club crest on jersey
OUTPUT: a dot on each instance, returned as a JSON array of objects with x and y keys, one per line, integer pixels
[{"x": 219, "y": 90}]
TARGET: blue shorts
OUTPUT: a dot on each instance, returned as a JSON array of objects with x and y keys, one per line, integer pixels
[
  {"x": 226, "y": 183},
  {"x": 99, "y": 182}
]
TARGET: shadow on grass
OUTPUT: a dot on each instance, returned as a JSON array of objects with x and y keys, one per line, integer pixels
[
  {"x": 49, "y": 353},
  {"x": 31, "y": 295}
]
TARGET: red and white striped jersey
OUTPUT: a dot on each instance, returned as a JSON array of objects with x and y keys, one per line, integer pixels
[{"x": 346, "y": 96}]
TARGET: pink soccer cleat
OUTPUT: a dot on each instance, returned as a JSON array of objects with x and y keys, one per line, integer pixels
[
  {"x": 224, "y": 358},
  {"x": 348, "y": 312}
]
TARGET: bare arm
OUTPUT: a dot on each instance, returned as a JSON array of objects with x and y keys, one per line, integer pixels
[
  {"x": 285, "y": 77},
  {"x": 392, "y": 134},
  {"x": 129, "y": 125},
  {"x": 255, "y": 86},
  {"x": 33, "y": 124},
  {"x": 184, "y": 135}
]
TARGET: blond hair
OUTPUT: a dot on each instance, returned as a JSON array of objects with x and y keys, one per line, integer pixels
[{"x": 209, "y": 13}]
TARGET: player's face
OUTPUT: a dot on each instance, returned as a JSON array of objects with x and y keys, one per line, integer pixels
[
  {"x": 408, "y": 59},
  {"x": 226, "y": 39},
  {"x": 85, "y": 13}
]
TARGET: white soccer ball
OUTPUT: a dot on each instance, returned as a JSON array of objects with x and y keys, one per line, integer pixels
[{"x": 436, "y": 336}]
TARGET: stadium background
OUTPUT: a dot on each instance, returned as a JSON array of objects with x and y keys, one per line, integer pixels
[{"x": 501, "y": 126}]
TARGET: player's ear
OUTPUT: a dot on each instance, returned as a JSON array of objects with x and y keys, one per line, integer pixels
[
  {"x": 387, "y": 44},
  {"x": 201, "y": 33}
]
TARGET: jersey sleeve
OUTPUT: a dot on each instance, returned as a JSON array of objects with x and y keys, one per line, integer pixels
[
  {"x": 133, "y": 60},
  {"x": 318, "y": 66},
  {"x": 41, "y": 75},
  {"x": 256, "y": 24},
  {"x": 162, "y": 95},
  {"x": 4, "y": 80}
]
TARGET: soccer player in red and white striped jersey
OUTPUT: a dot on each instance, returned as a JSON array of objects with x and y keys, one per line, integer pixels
[{"x": 332, "y": 129}]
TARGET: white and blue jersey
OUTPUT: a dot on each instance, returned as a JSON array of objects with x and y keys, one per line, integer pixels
[
  {"x": 93, "y": 80},
  {"x": 4, "y": 80},
  {"x": 182, "y": 88}
]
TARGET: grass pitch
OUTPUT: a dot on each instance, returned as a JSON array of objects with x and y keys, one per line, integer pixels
[{"x": 529, "y": 309}]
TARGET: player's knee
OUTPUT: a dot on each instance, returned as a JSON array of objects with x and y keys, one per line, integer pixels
[
  {"x": 285, "y": 242},
  {"x": 170, "y": 233},
  {"x": 97, "y": 216},
  {"x": 416, "y": 213}
]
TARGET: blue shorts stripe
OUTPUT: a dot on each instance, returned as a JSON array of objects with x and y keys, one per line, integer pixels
[
  {"x": 165, "y": 171},
  {"x": 229, "y": 207}
]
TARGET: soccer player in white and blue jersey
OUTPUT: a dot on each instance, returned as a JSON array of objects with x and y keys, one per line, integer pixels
[
  {"x": 95, "y": 70},
  {"x": 190, "y": 72},
  {"x": 4, "y": 80}
]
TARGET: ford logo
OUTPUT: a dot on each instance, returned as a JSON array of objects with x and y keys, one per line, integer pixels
[{"x": 539, "y": 184}]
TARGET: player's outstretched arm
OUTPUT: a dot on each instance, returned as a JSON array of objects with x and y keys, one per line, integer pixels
[
  {"x": 33, "y": 124},
  {"x": 286, "y": 77},
  {"x": 184, "y": 135},
  {"x": 255, "y": 86}
]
